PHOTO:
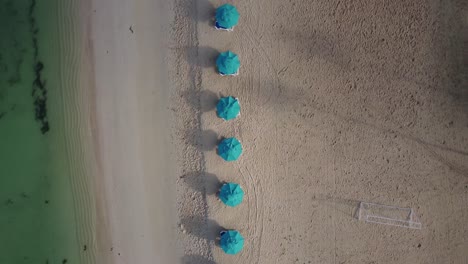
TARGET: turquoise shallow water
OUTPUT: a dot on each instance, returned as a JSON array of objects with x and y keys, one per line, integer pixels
[{"x": 37, "y": 223}]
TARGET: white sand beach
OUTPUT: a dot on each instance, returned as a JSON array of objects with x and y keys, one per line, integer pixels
[{"x": 342, "y": 102}]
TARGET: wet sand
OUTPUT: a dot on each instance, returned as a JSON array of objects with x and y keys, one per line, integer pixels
[{"x": 135, "y": 170}]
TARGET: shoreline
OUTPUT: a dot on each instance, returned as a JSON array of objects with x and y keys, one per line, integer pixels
[
  {"x": 54, "y": 173},
  {"x": 72, "y": 112}
]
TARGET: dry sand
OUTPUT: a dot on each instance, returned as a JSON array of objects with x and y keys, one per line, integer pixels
[{"x": 342, "y": 101}]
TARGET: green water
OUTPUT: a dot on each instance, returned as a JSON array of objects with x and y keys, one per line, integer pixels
[{"x": 36, "y": 222}]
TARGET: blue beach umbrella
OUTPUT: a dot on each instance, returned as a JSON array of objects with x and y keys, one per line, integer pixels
[
  {"x": 230, "y": 149},
  {"x": 227, "y": 16},
  {"x": 228, "y": 108},
  {"x": 231, "y": 242},
  {"x": 231, "y": 194},
  {"x": 228, "y": 63}
]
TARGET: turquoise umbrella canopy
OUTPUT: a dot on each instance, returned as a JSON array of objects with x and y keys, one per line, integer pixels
[
  {"x": 228, "y": 63},
  {"x": 227, "y": 16},
  {"x": 230, "y": 149},
  {"x": 232, "y": 242},
  {"x": 231, "y": 194},
  {"x": 228, "y": 108}
]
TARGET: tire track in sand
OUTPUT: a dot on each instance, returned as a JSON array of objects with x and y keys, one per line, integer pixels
[
  {"x": 268, "y": 88},
  {"x": 256, "y": 215}
]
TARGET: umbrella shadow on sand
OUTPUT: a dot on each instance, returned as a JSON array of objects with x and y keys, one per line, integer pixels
[
  {"x": 209, "y": 140},
  {"x": 205, "y": 140},
  {"x": 196, "y": 259},
  {"x": 204, "y": 100},
  {"x": 203, "y": 182},
  {"x": 208, "y": 100},
  {"x": 199, "y": 11},
  {"x": 206, "y": 11},
  {"x": 201, "y": 227},
  {"x": 202, "y": 56}
]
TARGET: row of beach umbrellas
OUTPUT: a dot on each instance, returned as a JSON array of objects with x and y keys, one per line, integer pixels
[{"x": 228, "y": 108}]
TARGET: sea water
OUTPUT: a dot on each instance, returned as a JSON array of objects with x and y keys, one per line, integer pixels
[{"x": 37, "y": 220}]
